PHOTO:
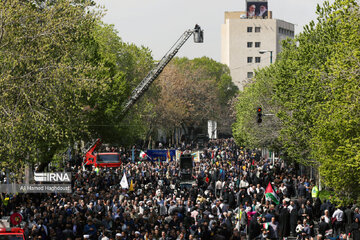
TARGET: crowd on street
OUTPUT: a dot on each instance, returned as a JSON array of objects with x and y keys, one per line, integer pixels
[{"x": 228, "y": 199}]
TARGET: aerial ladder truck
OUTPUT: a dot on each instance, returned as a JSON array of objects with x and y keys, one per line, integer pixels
[{"x": 92, "y": 158}]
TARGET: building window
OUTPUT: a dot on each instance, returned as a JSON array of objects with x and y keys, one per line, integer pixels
[
  {"x": 257, "y": 44},
  {"x": 257, "y": 59},
  {"x": 249, "y": 29},
  {"x": 250, "y": 74},
  {"x": 257, "y": 29},
  {"x": 286, "y": 32},
  {"x": 249, "y": 44},
  {"x": 249, "y": 59}
]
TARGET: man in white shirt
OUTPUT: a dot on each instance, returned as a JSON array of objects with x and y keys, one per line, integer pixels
[
  {"x": 251, "y": 190},
  {"x": 259, "y": 189},
  {"x": 218, "y": 188},
  {"x": 339, "y": 215},
  {"x": 243, "y": 183}
]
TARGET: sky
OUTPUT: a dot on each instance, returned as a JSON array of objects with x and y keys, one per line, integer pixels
[{"x": 157, "y": 24}]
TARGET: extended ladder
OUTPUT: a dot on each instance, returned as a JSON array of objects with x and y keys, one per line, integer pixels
[{"x": 155, "y": 72}]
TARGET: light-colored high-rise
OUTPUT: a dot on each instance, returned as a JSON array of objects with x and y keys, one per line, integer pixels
[{"x": 242, "y": 39}]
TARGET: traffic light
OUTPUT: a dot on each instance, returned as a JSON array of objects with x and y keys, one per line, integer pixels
[{"x": 259, "y": 115}]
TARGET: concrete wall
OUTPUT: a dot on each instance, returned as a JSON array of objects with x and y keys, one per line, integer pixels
[{"x": 235, "y": 38}]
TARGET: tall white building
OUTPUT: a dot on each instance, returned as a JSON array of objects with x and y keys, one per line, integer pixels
[{"x": 242, "y": 39}]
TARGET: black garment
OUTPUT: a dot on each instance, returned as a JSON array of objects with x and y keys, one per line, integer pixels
[
  {"x": 293, "y": 221},
  {"x": 301, "y": 190},
  {"x": 348, "y": 219},
  {"x": 301, "y": 212},
  {"x": 312, "y": 225},
  {"x": 226, "y": 195},
  {"x": 254, "y": 228},
  {"x": 218, "y": 237},
  {"x": 355, "y": 232},
  {"x": 229, "y": 225},
  {"x": 68, "y": 233},
  {"x": 309, "y": 209},
  {"x": 246, "y": 198},
  {"x": 317, "y": 206},
  {"x": 323, "y": 227},
  {"x": 232, "y": 200},
  {"x": 284, "y": 222}
]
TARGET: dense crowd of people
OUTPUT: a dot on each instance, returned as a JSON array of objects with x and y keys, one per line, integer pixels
[{"x": 226, "y": 201}]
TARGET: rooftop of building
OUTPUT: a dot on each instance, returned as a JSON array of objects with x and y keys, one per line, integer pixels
[{"x": 242, "y": 15}]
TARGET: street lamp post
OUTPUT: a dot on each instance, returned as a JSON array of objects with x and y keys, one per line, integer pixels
[{"x": 265, "y": 51}]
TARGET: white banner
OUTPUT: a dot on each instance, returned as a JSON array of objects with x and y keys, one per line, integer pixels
[
  {"x": 124, "y": 182},
  {"x": 212, "y": 129}
]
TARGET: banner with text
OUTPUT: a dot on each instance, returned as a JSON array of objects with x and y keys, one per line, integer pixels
[{"x": 160, "y": 155}]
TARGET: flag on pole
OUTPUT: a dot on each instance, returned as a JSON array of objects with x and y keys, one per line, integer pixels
[
  {"x": 168, "y": 157},
  {"x": 131, "y": 189},
  {"x": 271, "y": 195},
  {"x": 143, "y": 155},
  {"x": 124, "y": 182},
  {"x": 266, "y": 225}
]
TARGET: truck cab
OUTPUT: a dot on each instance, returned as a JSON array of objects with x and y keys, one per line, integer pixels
[
  {"x": 14, "y": 233},
  {"x": 101, "y": 159}
]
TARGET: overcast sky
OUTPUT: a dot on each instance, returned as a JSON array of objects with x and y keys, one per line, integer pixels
[{"x": 157, "y": 24}]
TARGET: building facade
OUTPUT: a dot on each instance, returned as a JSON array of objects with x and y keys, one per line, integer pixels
[{"x": 249, "y": 44}]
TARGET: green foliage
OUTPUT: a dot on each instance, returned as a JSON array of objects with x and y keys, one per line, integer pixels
[
  {"x": 247, "y": 131},
  {"x": 208, "y": 68},
  {"x": 43, "y": 75},
  {"x": 63, "y": 78},
  {"x": 123, "y": 67},
  {"x": 316, "y": 86},
  {"x": 325, "y": 195}
]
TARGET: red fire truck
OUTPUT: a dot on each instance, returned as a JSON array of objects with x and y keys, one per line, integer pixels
[
  {"x": 113, "y": 159},
  {"x": 101, "y": 159},
  {"x": 14, "y": 233}
]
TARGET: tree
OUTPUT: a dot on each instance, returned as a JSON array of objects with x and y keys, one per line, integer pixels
[
  {"x": 192, "y": 92},
  {"x": 336, "y": 132},
  {"x": 44, "y": 76},
  {"x": 123, "y": 67},
  {"x": 318, "y": 87},
  {"x": 258, "y": 93},
  {"x": 315, "y": 94}
]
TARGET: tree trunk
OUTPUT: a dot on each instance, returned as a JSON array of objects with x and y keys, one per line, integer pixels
[{"x": 47, "y": 157}]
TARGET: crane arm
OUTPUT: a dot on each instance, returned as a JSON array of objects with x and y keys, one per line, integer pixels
[{"x": 155, "y": 72}]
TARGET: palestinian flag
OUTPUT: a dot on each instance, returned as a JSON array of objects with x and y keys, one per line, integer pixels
[
  {"x": 266, "y": 225},
  {"x": 252, "y": 164},
  {"x": 271, "y": 195}
]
